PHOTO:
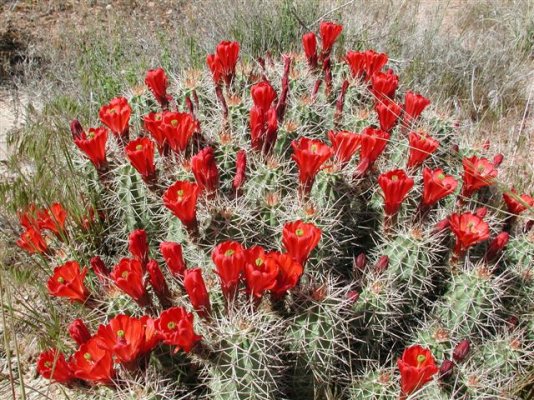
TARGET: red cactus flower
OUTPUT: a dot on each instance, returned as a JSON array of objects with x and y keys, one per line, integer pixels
[
  {"x": 52, "y": 218},
  {"x": 365, "y": 64},
  {"x": 469, "y": 230},
  {"x": 260, "y": 271},
  {"x": 497, "y": 245},
  {"x": 92, "y": 363},
  {"x": 240, "y": 169},
  {"x": 181, "y": 198},
  {"x": 263, "y": 95},
  {"x": 222, "y": 64},
  {"x": 478, "y": 172},
  {"x": 310, "y": 155},
  {"x": 152, "y": 123},
  {"x": 309, "y": 43},
  {"x": 289, "y": 273},
  {"x": 417, "y": 366},
  {"x": 517, "y": 204},
  {"x": 116, "y": 116},
  {"x": 157, "y": 281},
  {"x": 152, "y": 336},
  {"x": 344, "y": 145},
  {"x": 157, "y": 82},
  {"x": 436, "y": 185},
  {"x": 372, "y": 144},
  {"x": 172, "y": 254},
  {"x": 99, "y": 268},
  {"x": 356, "y": 62},
  {"x": 263, "y": 128},
  {"x": 67, "y": 281},
  {"x": 384, "y": 84},
  {"x": 177, "y": 129},
  {"x": 140, "y": 152},
  {"x": 395, "y": 185},
  {"x": 329, "y": 34},
  {"x": 52, "y": 365},
  {"x": 128, "y": 276},
  {"x": 93, "y": 145},
  {"x": 28, "y": 216},
  {"x": 123, "y": 337},
  {"x": 422, "y": 145},
  {"x": 229, "y": 260},
  {"x": 196, "y": 290},
  {"x": 414, "y": 104},
  {"x": 79, "y": 332},
  {"x": 205, "y": 170},
  {"x": 32, "y": 241},
  {"x": 388, "y": 113},
  {"x": 175, "y": 326},
  {"x": 299, "y": 239},
  {"x": 138, "y": 245}
]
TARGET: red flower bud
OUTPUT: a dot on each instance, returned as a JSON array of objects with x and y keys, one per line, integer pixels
[
  {"x": 360, "y": 261},
  {"x": 140, "y": 152},
  {"x": 128, "y": 276},
  {"x": 263, "y": 95},
  {"x": 388, "y": 113},
  {"x": 329, "y": 34},
  {"x": 309, "y": 43},
  {"x": 381, "y": 264},
  {"x": 441, "y": 225},
  {"x": 417, "y": 366},
  {"x": 310, "y": 155},
  {"x": 469, "y": 230},
  {"x": 289, "y": 273},
  {"x": 517, "y": 204},
  {"x": 78, "y": 331},
  {"x": 497, "y": 160},
  {"x": 240, "y": 169},
  {"x": 93, "y": 144},
  {"x": 422, "y": 145},
  {"x": 395, "y": 185},
  {"x": 76, "y": 129},
  {"x": 181, "y": 199},
  {"x": 478, "y": 172},
  {"x": 299, "y": 239},
  {"x": 116, "y": 116},
  {"x": 353, "y": 296},
  {"x": 157, "y": 281},
  {"x": 92, "y": 363},
  {"x": 172, "y": 254},
  {"x": 481, "y": 212},
  {"x": 138, "y": 245},
  {"x": 196, "y": 290},
  {"x": 223, "y": 62},
  {"x": 123, "y": 337},
  {"x": 229, "y": 259},
  {"x": 67, "y": 281},
  {"x": 461, "y": 351},
  {"x": 446, "y": 369},
  {"x": 99, "y": 268},
  {"x": 414, "y": 104},
  {"x": 436, "y": 185},
  {"x": 263, "y": 129},
  {"x": 205, "y": 170},
  {"x": 497, "y": 245},
  {"x": 344, "y": 145},
  {"x": 175, "y": 326},
  {"x": 260, "y": 271},
  {"x": 157, "y": 82},
  {"x": 52, "y": 365}
]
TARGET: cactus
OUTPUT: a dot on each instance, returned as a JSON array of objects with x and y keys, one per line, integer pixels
[{"x": 302, "y": 262}]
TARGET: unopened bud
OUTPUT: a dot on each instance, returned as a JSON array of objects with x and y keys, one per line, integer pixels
[
  {"x": 497, "y": 245},
  {"x": 497, "y": 160},
  {"x": 76, "y": 129},
  {"x": 99, "y": 268},
  {"x": 78, "y": 332},
  {"x": 481, "y": 212},
  {"x": 360, "y": 261},
  {"x": 382, "y": 264},
  {"x": 461, "y": 350},
  {"x": 441, "y": 225},
  {"x": 446, "y": 369},
  {"x": 353, "y": 296}
]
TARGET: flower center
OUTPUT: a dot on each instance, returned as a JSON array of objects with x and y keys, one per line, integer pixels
[
  {"x": 90, "y": 134},
  {"x": 87, "y": 356},
  {"x": 180, "y": 194},
  {"x": 158, "y": 117},
  {"x": 313, "y": 148},
  {"x": 125, "y": 274},
  {"x": 139, "y": 147},
  {"x": 171, "y": 325},
  {"x": 394, "y": 178},
  {"x": 441, "y": 177},
  {"x": 61, "y": 279},
  {"x": 48, "y": 364},
  {"x": 420, "y": 359},
  {"x": 120, "y": 333},
  {"x": 259, "y": 261},
  {"x": 229, "y": 253},
  {"x": 174, "y": 122},
  {"x": 299, "y": 232},
  {"x": 112, "y": 111},
  {"x": 480, "y": 168}
]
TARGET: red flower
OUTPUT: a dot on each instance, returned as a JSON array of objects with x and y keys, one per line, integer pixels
[
  {"x": 497, "y": 245},
  {"x": 310, "y": 155},
  {"x": 329, "y": 34},
  {"x": 138, "y": 245},
  {"x": 240, "y": 169},
  {"x": 384, "y": 84},
  {"x": 222, "y": 64},
  {"x": 356, "y": 62},
  {"x": 196, "y": 290},
  {"x": 123, "y": 337},
  {"x": 260, "y": 271},
  {"x": 67, "y": 281},
  {"x": 177, "y": 129},
  {"x": 436, "y": 185},
  {"x": 422, "y": 145},
  {"x": 78, "y": 331},
  {"x": 469, "y": 230},
  {"x": 414, "y": 104},
  {"x": 478, "y": 172},
  {"x": 172, "y": 254},
  {"x": 181, "y": 199},
  {"x": 93, "y": 144},
  {"x": 99, "y": 268},
  {"x": 263, "y": 128},
  {"x": 32, "y": 241},
  {"x": 229, "y": 260},
  {"x": 299, "y": 239},
  {"x": 157, "y": 82},
  {"x": 417, "y": 367},
  {"x": 92, "y": 363},
  {"x": 128, "y": 276},
  {"x": 344, "y": 145},
  {"x": 388, "y": 112},
  {"x": 152, "y": 337},
  {"x": 152, "y": 123},
  {"x": 289, "y": 273},
  {"x": 175, "y": 326},
  {"x": 52, "y": 218},
  {"x": 309, "y": 43},
  {"x": 205, "y": 170},
  {"x": 51, "y": 364},
  {"x": 140, "y": 152},
  {"x": 517, "y": 204},
  {"x": 372, "y": 144},
  {"x": 116, "y": 116},
  {"x": 395, "y": 185},
  {"x": 157, "y": 281},
  {"x": 263, "y": 95},
  {"x": 365, "y": 63}
]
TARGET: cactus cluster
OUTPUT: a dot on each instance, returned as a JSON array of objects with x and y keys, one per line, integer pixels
[{"x": 322, "y": 236}]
